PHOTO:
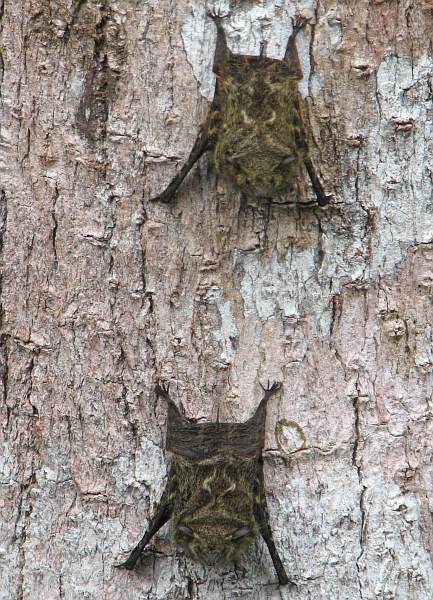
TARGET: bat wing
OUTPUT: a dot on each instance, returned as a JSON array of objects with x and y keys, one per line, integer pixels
[{"x": 197, "y": 441}]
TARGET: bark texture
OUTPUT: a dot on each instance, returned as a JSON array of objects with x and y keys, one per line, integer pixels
[{"x": 102, "y": 293}]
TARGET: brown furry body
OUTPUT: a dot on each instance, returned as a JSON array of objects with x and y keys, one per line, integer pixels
[
  {"x": 214, "y": 500},
  {"x": 215, "y": 495},
  {"x": 258, "y": 145},
  {"x": 254, "y": 128}
]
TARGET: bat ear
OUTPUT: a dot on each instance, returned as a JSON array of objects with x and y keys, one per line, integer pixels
[
  {"x": 241, "y": 533},
  {"x": 186, "y": 530}
]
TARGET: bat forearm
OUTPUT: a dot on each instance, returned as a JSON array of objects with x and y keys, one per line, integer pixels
[
  {"x": 261, "y": 515},
  {"x": 161, "y": 517},
  {"x": 201, "y": 146},
  {"x": 157, "y": 522},
  {"x": 322, "y": 198},
  {"x": 281, "y": 573}
]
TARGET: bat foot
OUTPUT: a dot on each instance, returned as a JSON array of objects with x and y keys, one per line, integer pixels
[
  {"x": 270, "y": 389},
  {"x": 162, "y": 388},
  {"x": 216, "y": 14}
]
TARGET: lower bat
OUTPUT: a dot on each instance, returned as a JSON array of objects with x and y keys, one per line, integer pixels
[{"x": 215, "y": 495}]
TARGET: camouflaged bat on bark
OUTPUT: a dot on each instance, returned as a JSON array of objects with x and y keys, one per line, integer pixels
[
  {"x": 255, "y": 126},
  {"x": 215, "y": 496}
]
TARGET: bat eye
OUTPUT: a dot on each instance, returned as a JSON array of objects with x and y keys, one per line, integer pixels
[
  {"x": 287, "y": 160},
  {"x": 240, "y": 533},
  {"x": 185, "y": 530}
]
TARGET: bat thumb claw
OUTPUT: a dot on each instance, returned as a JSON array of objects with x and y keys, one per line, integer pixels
[
  {"x": 124, "y": 565},
  {"x": 166, "y": 198},
  {"x": 324, "y": 200}
]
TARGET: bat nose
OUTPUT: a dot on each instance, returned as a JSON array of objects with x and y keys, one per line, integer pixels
[
  {"x": 212, "y": 558},
  {"x": 261, "y": 189}
]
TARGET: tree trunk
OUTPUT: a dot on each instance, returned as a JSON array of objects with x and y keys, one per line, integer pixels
[{"x": 104, "y": 293}]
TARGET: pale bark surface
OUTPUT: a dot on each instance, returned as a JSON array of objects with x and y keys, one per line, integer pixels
[{"x": 103, "y": 293}]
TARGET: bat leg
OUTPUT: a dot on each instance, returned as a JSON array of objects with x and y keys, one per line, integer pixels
[
  {"x": 270, "y": 389},
  {"x": 161, "y": 517},
  {"x": 222, "y": 51},
  {"x": 322, "y": 198},
  {"x": 261, "y": 515},
  {"x": 201, "y": 146},
  {"x": 291, "y": 56},
  {"x": 162, "y": 389}
]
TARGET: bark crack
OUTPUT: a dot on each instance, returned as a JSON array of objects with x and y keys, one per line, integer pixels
[
  {"x": 1, "y": 57},
  {"x": 23, "y": 538},
  {"x": 126, "y": 410},
  {"x": 30, "y": 388},
  {"x": 61, "y": 590},
  {"x": 54, "y": 231},
  {"x": 74, "y": 17},
  {"x": 103, "y": 73},
  {"x": 4, "y": 368},
  {"x": 357, "y": 465},
  {"x": 5, "y": 374}
]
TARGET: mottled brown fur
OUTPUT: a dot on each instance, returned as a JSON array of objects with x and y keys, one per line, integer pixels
[
  {"x": 255, "y": 126},
  {"x": 215, "y": 496},
  {"x": 214, "y": 499}
]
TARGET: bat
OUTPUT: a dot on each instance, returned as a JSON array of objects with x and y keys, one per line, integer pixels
[
  {"x": 215, "y": 496},
  {"x": 255, "y": 125}
]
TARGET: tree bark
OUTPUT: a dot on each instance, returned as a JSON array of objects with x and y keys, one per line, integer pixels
[{"x": 103, "y": 293}]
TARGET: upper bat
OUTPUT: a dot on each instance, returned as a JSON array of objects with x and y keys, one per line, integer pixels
[{"x": 254, "y": 127}]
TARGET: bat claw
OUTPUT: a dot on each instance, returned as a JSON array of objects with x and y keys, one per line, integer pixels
[
  {"x": 324, "y": 200},
  {"x": 216, "y": 13},
  {"x": 298, "y": 23},
  {"x": 284, "y": 580},
  {"x": 163, "y": 197},
  {"x": 162, "y": 388},
  {"x": 270, "y": 389}
]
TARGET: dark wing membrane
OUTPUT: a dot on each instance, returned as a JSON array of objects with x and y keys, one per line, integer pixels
[
  {"x": 198, "y": 441},
  {"x": 162, "y": 515}
]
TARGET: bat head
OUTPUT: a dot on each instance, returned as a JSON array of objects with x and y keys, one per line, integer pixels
[{"x": 213, "y": 517}]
